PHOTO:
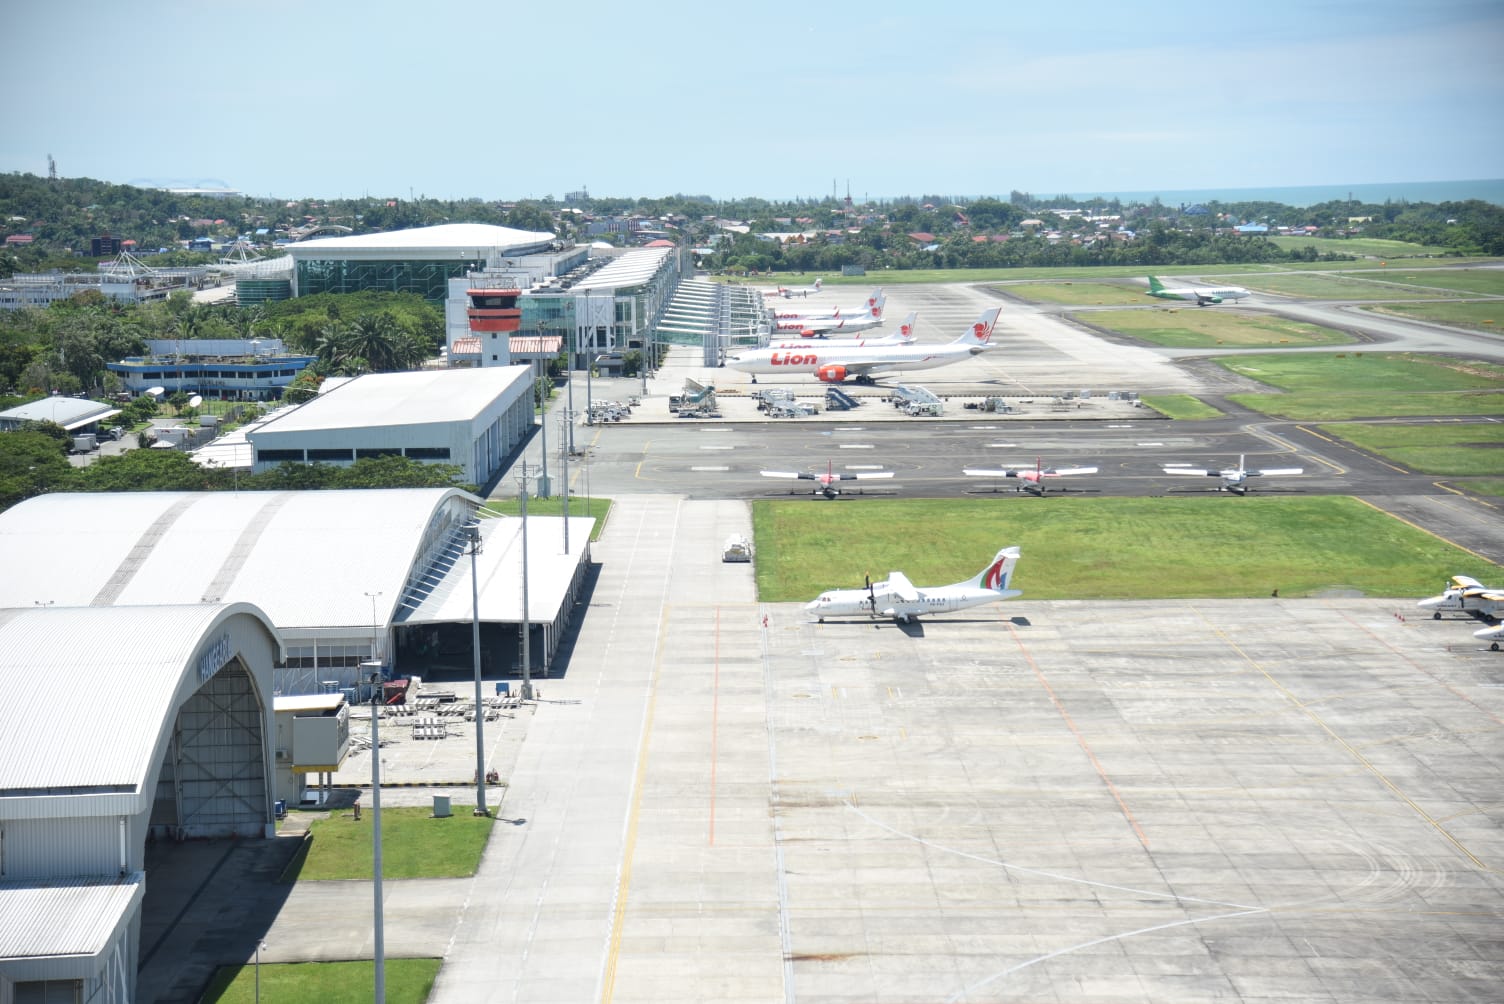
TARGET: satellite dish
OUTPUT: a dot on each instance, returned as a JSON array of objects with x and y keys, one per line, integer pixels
[
  {"x": 195, "y": 401},
  {"x": 156, "y": 391}
]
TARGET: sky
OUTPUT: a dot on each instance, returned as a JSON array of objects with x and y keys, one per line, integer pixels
[{"x": 774, "y": 99}]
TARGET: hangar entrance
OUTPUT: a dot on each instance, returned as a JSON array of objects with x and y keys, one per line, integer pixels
[
  {"x": 442, "y": 651},
  {"x": 213, "y": 779}
]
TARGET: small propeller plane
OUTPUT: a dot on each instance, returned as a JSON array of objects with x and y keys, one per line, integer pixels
[
  {"x": 1493, "y": 635},
  {"x": 1032, "y": 478},
  {"x": 826, "y": 484},
  {"x": 1466, "y": 595},
  {"x": 1235, "y": 479},
  {"x": 900, "y": 599},
  {"x": 789, "y": 294}
]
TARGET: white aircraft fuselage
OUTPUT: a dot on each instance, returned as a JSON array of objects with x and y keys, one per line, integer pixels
[{"x": 901, "y": 600}]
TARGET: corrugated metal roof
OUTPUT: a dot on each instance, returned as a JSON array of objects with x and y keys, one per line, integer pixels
[
  {"x": 69, "y": 412},
  {"x": 89, "y": 690},
  {"x": 394, "y": 400},
  {"x": 631, "y": 269},
  {"x": 448, "y": 238},
  {"x": 533, "y": 345},
  {"x": 306, "y": 558},
  {"x": 65, "y": 917}
]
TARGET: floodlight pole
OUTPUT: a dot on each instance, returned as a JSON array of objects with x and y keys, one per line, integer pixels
[
  {"x": 523, "y": 473},
  {"x": 568, "y": 420},
  {"x": 380, "y": 997},
  {"x": 473, "y": 531},
  {"x": 543, "y": 487}
]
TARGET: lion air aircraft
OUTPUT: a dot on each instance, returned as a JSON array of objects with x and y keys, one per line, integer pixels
[
  {"x": 1032, "y": 478},
  {"x": 903, "y": 336},
  {"x": 826, "y": 484},
  {"x": 901, "y": 600},
  {"x": 815, "y": 326},
  {"x": 790, "y": 313},
  {"x": 833, "y": 363}
]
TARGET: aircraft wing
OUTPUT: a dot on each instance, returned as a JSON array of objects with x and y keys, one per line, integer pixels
[
  {"x": 1492, "y": 595},
  {"x": 865, "y": 476},
  {"x": 900, "y": 586},
  {"x": 787, "y": 474},
  {"x": 984, "y": 472},
  {"x": 1280, "y": 470},
  {"x": 1056, "y": 472},
  {"x": 1198, "y": 472}
]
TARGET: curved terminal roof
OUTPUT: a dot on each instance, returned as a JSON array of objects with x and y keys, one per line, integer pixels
[
  {"x": 631, "y": 269},
  {"x": 446, "y": 239},
  {"x": 308, "y": 559}
]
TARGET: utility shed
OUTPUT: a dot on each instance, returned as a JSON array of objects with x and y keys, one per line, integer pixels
[{"x": 312, "y": 737}]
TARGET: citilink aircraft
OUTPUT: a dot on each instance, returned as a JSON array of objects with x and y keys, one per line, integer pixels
[{"x": 900, "y": 599}]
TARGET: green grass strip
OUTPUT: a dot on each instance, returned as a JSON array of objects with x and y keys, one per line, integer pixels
[
  {"x": 413, "y": 844},
  {"x": 408, "y": 981}
]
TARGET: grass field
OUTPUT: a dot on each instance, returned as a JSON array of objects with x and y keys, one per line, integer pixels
[
  {"x": 413, "y": 845},
  {"x": 1480, "y": 282},
  {"x": 1201, "y": 327},
  {"x": 1202, "y": 545},
  {"x": 1458, "y": 449},
  {"x": 408, "y": 981},
  {"x": 1483, "y": 316},
  {"x": 1323, "y": 388},
  {"x": 1359, "y": 246},
  {"x": 1333, "y": 286},
  {"x": 599, "y": 508},
  {"x": 1181, "y": 406}
]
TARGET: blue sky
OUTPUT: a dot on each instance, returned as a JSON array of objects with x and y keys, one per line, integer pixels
[{"x": 775, "y": 99}]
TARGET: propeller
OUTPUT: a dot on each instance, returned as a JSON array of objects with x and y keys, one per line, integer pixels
[{"x": 871, "y": 597}]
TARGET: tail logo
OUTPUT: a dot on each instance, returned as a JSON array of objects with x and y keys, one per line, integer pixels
[
  {"x": 905, "y": 330},
  {"x": 981, "y": 332},
  {"x": 993, "y": 578}
]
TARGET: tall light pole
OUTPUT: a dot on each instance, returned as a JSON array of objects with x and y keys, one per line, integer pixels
[
  {"x": 380, "y": 997},
  {"x": 567, "y": 419},
  {"x": 259, "y": 946},
  {"x": 569, "y": 375},
  {"x": 523, "y": 473},
  {"x": 589, "y": 356},
  {"x": 473, "y": 531},
  {"x": 543, "y": 487}
]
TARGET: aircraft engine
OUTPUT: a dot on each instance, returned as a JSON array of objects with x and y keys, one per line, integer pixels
[{"x": 831, "y": 373}]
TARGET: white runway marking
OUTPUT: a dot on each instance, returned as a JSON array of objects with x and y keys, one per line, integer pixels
[
  {"x": 717, "y": 447},
  {"x": 702, "y": 469},
  {"x": 857, "y": 446},
  {"x": 864, "y": 467},
  {"x": 1001, "y": 446}
]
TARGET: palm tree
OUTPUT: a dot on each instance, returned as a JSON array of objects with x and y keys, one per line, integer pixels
[{"x": 375, "y": 338}]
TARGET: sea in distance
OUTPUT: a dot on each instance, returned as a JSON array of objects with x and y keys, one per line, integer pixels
[{"x": 1309, "y": 195}]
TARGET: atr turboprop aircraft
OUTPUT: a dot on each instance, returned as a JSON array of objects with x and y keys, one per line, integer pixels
[
  {"x": 1032, "y": 478},
  {"x": 789, "y": 294},
  {"x": 827, "y": 484},
  {"x": 900, "y": 599},
  {"x": 1235, "y": 479},
  {"x": 1466, "y": 595},
  {"x": 1202, "y": 295},
  {"x": 833, "y": 364}
]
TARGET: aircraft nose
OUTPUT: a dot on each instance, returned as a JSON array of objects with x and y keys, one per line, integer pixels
[
  {"x": 811, "y": 606},
  {"x": 1430, "y": 603}
]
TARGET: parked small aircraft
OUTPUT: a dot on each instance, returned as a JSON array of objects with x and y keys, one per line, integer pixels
[
  {"x": 826, "y": 484},
  {"x": 900, "y": 599},
  {"x": 1235, "y": 479},
  {"x": 789, "y": 294},
  {"x": 1493, "y": 635},
  {"x": 807, "y": 326},
  {"x": 1466, "y": 595},
  {"x": 1033, "y": 478},
  {"x": 834, "y": 363},
  {"x": 1202, "y": 295}
]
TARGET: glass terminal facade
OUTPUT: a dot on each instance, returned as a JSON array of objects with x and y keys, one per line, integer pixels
[{"x": 429, "y": 279}]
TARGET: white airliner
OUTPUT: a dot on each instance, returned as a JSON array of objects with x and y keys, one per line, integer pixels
[
  {"x": 1032, "y": 478},
  {"x": 903, "y": 336},
  {"x": 1235, "y": 479},
  {"x": 1202, "y": 295},
  {"x": 782, "y": 313},
  {"x": 834, "y": 363},
  {"x": 788, "y": 293},
  {"x": 901, "y": 600},
  {"x": 811, "y": 326},
  {"x": 1466, "y": 595},
  {"x": 827, "y": 484}
]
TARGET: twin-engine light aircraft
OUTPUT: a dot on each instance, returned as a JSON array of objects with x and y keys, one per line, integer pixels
[
  {"x": 1235, "y": 479},
  {"x": 900, "y": 599},
  {"x": 1032, "y": 478},
  {"x": 833, "y": 364},
  {"x": 1466, "y": 595},
  {"x": 808, "y": 326},
  {"x": 1493, "y": 635},
  {"x": 827, "y": 484},
  {"x": 788, "y": 294},
  {"x": 1202, "y": 296}
]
